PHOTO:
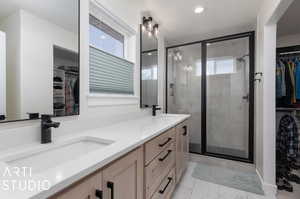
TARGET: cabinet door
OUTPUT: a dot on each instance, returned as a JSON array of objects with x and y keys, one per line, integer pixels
[
  {"x": 178, "y": 154},
  {"x": 88, "y": 188},
  {"x": 123, "y": 179},
  {"x": 185, "y": 145},
  {"x": 182, "y": 148}
]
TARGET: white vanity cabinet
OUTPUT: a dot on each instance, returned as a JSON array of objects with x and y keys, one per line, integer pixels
[{"x": 151, "y": 171}]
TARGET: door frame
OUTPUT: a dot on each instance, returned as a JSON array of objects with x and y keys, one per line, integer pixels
[{"x": 251, "y": 36}]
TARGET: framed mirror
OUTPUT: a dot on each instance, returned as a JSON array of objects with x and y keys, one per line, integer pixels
[
  {"x": 39, "y": 59},
  {"x": 149, "y": 69}
]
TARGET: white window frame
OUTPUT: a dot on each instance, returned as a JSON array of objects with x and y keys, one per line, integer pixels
[{"x": 130, "y": 35}]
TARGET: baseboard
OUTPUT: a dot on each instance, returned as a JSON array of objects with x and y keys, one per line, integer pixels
[{"x": 269, "y": 189}]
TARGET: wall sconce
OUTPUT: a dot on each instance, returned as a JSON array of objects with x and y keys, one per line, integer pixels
[{"x": 148, "y": 26}]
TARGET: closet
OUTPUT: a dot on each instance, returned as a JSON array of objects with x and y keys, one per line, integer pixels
[
  {"x": 288, "y": 117},
  {"x": 65, "y": 82}
]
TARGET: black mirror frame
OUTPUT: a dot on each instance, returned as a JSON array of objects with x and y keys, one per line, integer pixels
[{"x": 141, "y": 65}]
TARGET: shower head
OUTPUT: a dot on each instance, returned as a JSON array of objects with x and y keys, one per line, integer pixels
[{"x": 242, "y": 59}]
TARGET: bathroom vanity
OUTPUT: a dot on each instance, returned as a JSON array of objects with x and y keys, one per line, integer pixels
[
  {"x": 141, "y": 158},
  {"x": 150, "y": 171}
]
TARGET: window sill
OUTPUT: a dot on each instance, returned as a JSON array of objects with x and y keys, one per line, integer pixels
[{"x": 111, "y": 100}]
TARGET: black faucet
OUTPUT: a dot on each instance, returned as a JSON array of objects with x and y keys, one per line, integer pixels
[
  {"x": 154, "y": 109},
  {"x": 47, "y": 124}
]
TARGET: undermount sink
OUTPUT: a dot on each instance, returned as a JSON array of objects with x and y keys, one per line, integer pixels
[{"x": 53, "y": 155}]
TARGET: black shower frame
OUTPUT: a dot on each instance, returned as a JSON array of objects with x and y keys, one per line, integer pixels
[{"x": 251, "y": 36}]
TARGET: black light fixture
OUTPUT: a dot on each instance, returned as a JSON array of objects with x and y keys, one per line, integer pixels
[{"x": 148, "y": 26}]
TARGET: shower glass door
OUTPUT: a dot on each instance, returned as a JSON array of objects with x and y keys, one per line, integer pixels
[
  {"x": 184, "y": 88},
  {"x": 228, "y": 98},
  {"x": 213, "y": 81}
]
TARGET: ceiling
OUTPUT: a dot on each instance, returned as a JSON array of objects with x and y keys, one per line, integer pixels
[
  {"x": 220, "y": 17},
  {"x": 61, "y": 12},
  {"x": 289, "y": 23}
]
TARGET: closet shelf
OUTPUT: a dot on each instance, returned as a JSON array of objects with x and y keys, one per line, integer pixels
[
  {"x": 287, "y": 109},
  {"x": 60, "y": 83}
]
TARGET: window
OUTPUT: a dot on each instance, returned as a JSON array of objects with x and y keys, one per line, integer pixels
[
  {"x": 104, "y": 38},
  {"x": 149, "y": 73},
  {"x": 217, "y": 66},
  {"x": 110, "y": 72}
]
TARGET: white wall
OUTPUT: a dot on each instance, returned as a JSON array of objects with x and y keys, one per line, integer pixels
[
  {"x": 38, "y": 36},
  {"x": 2, "y": 73},
  {"x": 265, "y": 133},
  {"x": 91, "y": 116},
  {"x": 288, "y": 40}
]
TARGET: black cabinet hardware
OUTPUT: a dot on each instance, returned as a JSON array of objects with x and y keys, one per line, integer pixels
[
  {"x": 185, "y": 130},
  {"x": 99, "y": 194},
  {"x": 110, "y": 185},
  {"x": 163, "y": 158},
  {"x": 166, "y": 142},
  {"x": 2, "y": 117},
  {"x": 163, "y": 191}
]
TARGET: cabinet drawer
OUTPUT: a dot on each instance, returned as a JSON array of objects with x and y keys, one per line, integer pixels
[
  {"x": 166, "y": 188},
  {"x": 159, "y": 168},
  {"x": 158, "y": 144}
]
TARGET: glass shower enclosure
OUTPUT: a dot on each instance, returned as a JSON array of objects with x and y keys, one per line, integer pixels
[{"x": 213, "y": 81}]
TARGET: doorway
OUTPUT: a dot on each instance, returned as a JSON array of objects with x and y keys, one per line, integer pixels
[{"x": 213, "y": 80}]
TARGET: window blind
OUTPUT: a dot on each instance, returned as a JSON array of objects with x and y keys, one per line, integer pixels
[
  {"x": 105, "y": 28},
  {"x": 110, "y": 74}
]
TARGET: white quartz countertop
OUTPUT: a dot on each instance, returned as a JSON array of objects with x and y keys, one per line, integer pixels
[{"x": 126, "y": 136}]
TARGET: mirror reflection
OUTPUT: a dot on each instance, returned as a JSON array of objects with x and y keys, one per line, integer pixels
[
  {"x": 149, "y": 69},
  {"x": 39, "y": 59}
]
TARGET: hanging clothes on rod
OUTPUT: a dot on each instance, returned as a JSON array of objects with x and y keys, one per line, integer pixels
[
  {"x": 287, "y": 153},
  {"x": 288, "y": 80}
]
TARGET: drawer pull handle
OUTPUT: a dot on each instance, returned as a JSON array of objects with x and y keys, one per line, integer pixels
[
  {"x": 99, "y": 194},
  {"x": 185, "y": 130},
  {"x": 163, "y": 158},
  {"x": 163, "y": 191},
  {"x": 110, "y": 185},
  {"x": 166, "y": 142}
]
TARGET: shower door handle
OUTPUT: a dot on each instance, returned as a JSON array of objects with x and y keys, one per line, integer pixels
[{"x": 246, "y": 97}]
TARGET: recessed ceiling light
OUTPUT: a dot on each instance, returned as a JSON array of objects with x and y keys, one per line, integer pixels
[
  {"x": 149, "y": 54},
  {"x": 199, "y": 10}
]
